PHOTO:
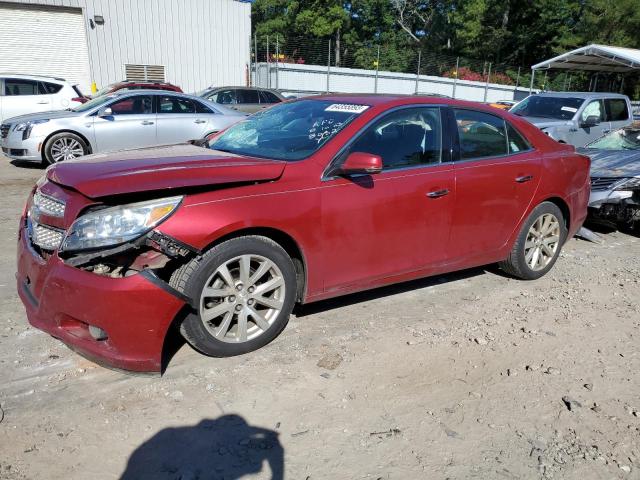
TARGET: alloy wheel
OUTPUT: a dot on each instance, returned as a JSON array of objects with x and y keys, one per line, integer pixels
[
  {"x": 543, "y": 241},
  {"x": 242, "y": 299},
  {"x": 66, "y": 148}
]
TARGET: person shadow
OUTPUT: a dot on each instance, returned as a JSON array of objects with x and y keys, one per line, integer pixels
[{"x": 215, "y": 449}]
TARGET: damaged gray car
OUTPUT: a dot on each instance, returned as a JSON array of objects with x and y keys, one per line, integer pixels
[{"x": 615, "y": 177}]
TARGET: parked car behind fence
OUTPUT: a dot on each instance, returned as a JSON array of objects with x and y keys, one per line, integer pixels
[
  {"x": 244, "y": 99},
  {"x": 573, "y": 117}
]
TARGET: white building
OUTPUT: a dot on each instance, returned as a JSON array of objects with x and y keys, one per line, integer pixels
[{"x": 191, "y": 43}]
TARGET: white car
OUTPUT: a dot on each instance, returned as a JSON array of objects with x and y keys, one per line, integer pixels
[{"x": 22, "y": 94}]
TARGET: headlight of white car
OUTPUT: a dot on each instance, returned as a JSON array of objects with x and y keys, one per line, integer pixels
[
  {"x": 115, "y": 225},
  {"x": 629, "y": 184}
]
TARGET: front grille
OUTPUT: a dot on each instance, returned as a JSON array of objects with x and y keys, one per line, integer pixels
[
  {"x": 603, "y": 183},
  {"x": 45, "y": 237},
  {"x": 4, "y": 130},
  {"x": 48, "y": 205}
]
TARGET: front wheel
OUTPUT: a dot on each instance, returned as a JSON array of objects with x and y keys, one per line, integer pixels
[
  {"x": 245, "y": 289},
  {"x": 64, "y": 146},
  {"x": 538, "y": 245}
]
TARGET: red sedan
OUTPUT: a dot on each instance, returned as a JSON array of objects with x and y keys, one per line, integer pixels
[{"x": 311, "y": 199}]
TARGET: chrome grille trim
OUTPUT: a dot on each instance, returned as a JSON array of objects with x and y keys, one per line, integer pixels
[
  {"x": 48, "y": 205},
  {"x": 603, "y": 183}
]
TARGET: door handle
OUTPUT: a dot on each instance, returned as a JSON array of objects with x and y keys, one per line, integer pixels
[
  {"x": 44, "y": 102},
  {"x": 524, "y": 178},
  {"x": 146, "y": 122},
  {"x": 200, "y": 121},
  {"x": 438, "y": 193}
]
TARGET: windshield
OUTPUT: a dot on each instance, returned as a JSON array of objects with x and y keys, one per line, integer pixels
[
  {"x": 95, "y": 102},
  {"x": 104, "y": 90},
  {"x": 558, "y": 108},
  {"x": 622, "y": 139},
  {"x": 288, "y": 131}
]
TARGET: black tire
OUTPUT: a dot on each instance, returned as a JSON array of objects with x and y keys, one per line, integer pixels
[
  {"x": 48, "y": 154},
  {"x": 515, "y": 264},
  {"x": 190, "y": 279}
]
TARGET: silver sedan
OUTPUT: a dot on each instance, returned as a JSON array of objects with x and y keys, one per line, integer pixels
[{"x": 128, "y": 119}]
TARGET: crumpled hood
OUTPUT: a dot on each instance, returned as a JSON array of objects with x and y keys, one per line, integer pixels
[
  {"x": 159, "y": 168},
  {"x": 545, "y": 122},
  {"x": 613, "y": 163}
]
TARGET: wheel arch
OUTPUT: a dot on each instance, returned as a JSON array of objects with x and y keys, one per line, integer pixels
[
  {"x": 64, "y": 130},
  {"x": 564, "y": 208},
  {"x": 282, "y": 238}
]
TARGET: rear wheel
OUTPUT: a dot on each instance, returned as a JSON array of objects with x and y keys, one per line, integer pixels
[
  {"x": 64, "y": 146},
  {"x": 538, "y": 244},
  {"x": 245, "y": 289}
]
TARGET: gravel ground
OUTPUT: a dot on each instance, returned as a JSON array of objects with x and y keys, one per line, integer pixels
[{"x": 469, "y": 375}]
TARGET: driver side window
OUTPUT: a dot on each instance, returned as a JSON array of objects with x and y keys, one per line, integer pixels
[
  {"x": 407, "y": 137},
  {"x": 593, "y": 109}
]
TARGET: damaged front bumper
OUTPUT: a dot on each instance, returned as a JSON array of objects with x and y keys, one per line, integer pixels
[{"x": 623, "y": 209}]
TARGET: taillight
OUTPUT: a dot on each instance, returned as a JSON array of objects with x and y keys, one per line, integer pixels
[{"x": 80, "y": 99}]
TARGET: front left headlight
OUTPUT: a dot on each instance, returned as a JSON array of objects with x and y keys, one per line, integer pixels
[
  {"x": 113, "y": 226},
  {"x": 26, "y": 127}
]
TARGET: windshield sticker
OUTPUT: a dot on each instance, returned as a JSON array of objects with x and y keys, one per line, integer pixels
[
  {"x": 346, "y": 108},
  {"x": 569, "y": 109}
]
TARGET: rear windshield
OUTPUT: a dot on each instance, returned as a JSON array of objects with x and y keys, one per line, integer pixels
[
  {"x": 557, "y": 108},
  {"x": 288, "y": 131}
]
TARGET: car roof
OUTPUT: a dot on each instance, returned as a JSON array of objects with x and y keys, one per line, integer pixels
[
  {"x": 580, "y": 94},
  {"x": 242, "y": 87},
  {"x": 28, "y": 77},
  {"x": 379, "y": 99},
  {"x": 142, "y": 82}
]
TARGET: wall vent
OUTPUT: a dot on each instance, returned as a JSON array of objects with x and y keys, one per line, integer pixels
[{"x": 140, "y": 73}]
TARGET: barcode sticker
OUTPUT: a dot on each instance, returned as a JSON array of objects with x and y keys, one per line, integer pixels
[{"x": 346, "y": 108}]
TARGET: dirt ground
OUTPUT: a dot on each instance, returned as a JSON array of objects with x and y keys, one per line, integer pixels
[{"x": 469, "y": 375}]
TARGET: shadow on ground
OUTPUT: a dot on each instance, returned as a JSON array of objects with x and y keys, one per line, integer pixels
[
  {"x": 25, "y": 164},
  {"x": 225, "y": 448}
]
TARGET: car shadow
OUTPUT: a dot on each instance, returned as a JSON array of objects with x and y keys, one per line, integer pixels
[
  {"x": 223, "y": 448},
  {"x": 395, "y": 289},
  {"x": 25, "y": 164}
]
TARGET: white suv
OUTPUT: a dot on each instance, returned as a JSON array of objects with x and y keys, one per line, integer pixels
[{"x": 21, "y": 94}]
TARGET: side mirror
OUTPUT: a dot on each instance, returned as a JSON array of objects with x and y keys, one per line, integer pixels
[
  {"x": 105, "y": 112},
  {"x": 361, "y": 163},
  {"x": 591, "y": 121}
]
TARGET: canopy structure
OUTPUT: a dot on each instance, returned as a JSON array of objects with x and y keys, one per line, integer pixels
[{"x": 593, "y": 58}]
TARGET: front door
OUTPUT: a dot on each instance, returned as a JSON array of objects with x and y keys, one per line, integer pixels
[
  {"x": 582, "y": 135},
  {"x": 132, "y": 124},
  {"x": 396, "y": 221},
  {"x": 496, "y": 176}
]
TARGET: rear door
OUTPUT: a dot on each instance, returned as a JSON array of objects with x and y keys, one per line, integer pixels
[
  {"x": 179, "y": 119},
  {"x": 397, "y": 221},
  {"x": 132, "y": 124},
  {"x": 618, "y": 112},
  {"x": 496, "y": 175},
  {"x": 268, "y": 98},
  {"x": 23, "y": 96},
  {"x": 248, "y": 100}
]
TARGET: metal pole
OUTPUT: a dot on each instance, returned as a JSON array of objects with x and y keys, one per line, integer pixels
[
  {"x": 255, "y": 53},
  {"x": 455, "y": 78},
  {"x": 418, "y": 73},
  {"x": 544, "y": 82},
  {"x": 268, "y": 65},
  {"x": 533, "y": 75},
  {"x": 517, "y": 80},
  {"x": 486, "y": 85},
  {"x": 564, "y": 85},
  {"x": 277, "y": 62},
  {"x": 569, "y": 85},
  {"x": 375, "y": 86},
  {"x": 328, "y": 65}
]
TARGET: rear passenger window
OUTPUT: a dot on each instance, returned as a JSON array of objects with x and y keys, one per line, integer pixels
[
  {"x": 481, "y": 135},
  {"x": 51, "y": 87},
  {"x": 268, "y": 97},
  {"x": 617, "y": 110},
  {"x": 517, "y": 143},
  {"x": 176, "y": 105},
  {"x": 14, "y": 87},
  {"x": 248, "y": 96}
]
